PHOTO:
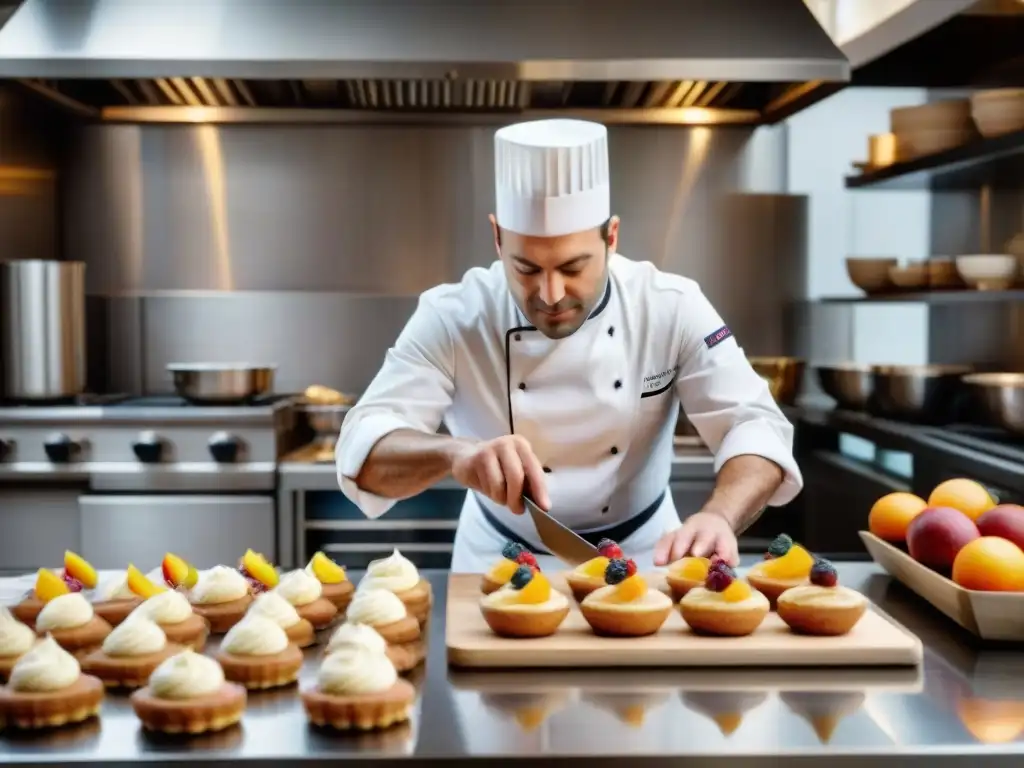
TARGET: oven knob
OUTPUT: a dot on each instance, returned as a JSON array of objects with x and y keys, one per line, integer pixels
[
  {"x": 6, "y": 448},
  {"x": 224, "y": 447},
  {"x": 60, "y": 448},
  {"x": 148, "y": 448}
]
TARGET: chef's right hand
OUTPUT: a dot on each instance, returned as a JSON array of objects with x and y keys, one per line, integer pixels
[{"x": 502, "y": 469}]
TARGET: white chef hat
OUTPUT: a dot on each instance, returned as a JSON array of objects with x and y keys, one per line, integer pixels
[{"x": 551, "y": 177}]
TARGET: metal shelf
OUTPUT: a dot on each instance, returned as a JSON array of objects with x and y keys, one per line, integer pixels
[{"x": 965, "y": 296}]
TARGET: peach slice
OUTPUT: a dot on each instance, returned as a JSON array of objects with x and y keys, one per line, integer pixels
[
  {"x": 692, "y": 568},
  {"x": 630, "y": 589},
  {"x": 737, "y": 592},
  {"x": 140, "y": 585},
  {"x": 503, "y": 570},
  {"x": 78, "y": 568},
  {"x": 258, "y": 567},
  {"x": 49, "y": 585},
  {"x": 537, "y": 591},
  {"x": 178, "y": 572},
  {"x": 595, "y": 567},
  {"x": 795, "y": 564},
  {"x": 326, "y": 570}
]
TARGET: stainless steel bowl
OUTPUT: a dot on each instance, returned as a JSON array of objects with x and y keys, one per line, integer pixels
[
  {"x": 326, "y": 420},
  {"x": 999, "y": 397},
  {"x": 919, "y": 393},
  {"x": 849, "y": 385},
  {"x": 221, "y": 383}
]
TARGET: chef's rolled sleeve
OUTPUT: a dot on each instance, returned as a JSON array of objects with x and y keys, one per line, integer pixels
[
  {"x": 413, "y": 390},
  {"x": 725, "y": 399}
]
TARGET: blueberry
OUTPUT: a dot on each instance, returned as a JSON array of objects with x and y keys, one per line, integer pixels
[
  {"x": 521, "y": 577},
  {"x": 616, "y": 572},
  {"x": 511, "y": 550},
  {"x": 780, "y": 545}
]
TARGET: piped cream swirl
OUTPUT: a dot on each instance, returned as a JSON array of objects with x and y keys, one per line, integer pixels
[
  {"x": 186, "y": 675},
  {"x": 46, "y": 667},
  {"x": 118, "y": 590},
  {"x": 270, "y": 605},
  {"x": 65, "y": 612},
  {"x": 375, "y": 607},
  {"x": 356, "y": 671},
  {"x": 168, "y": 607},
  {"x": 15, "y": 637},
  {"x": 137, "y": 636},
  {"x": 299, "y": 588},
  {"x": 350, "y": 635},
  {"x": 220, "y": 584},
  {"x": 255, "y": 636},
  {"x": 394, "y": 572}
]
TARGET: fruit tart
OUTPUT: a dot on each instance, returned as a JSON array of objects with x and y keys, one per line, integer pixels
[
  {"x": 589, "y": 576},
  {"x": 382, "y": 610},
  {"x": 258, "y": 571},
  {"x": 305, "y": 593},
  {"x": 188, "y": 694},
  {"x": 270, "y": 605},
  {"x": 786, "y": 565},
  {"x": 16, "y": 639},
  {"x": 336, "y": 586},
  {"x": 174, "y": 615},
  {"x": 513, "y": 555},
  {"x": 685, "y": 574},
  {"x": 71, "y": 621},
  {"x": 49, "y": 584},
  {"x": 47, "y": 689},
  {"x": 130, "y": 653},
  {"x": 822, "y": 607},
  {"x": 725, "y": 605},
  {"x": 625, "y": 606},
  {"x": 405, "y": 657},
  {"x": 358, "y": 688},
  {"x": 221, "y": 596},
  {"x": 396, "y": 574},
  {"x": 256, "y": 653},
  {"x": 525, "y": 607},
  {"x": 116, "y": 601}
]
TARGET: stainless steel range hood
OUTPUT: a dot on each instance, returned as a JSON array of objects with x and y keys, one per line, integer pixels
[{"x": 759, "y": 59}]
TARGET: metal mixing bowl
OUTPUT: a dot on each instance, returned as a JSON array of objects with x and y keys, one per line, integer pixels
[
  {"x": 999, "y": 397},
  {"x": 849, "y": 385},
  {"x": 326, "y": 420},
  {"x": 221, "y": 383},
  {"x": 919, "y": 393},
  {"x": 783, "y": 374}
]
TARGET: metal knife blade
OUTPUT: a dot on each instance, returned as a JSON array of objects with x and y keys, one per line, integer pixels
[{"x": 562, "y": 542}]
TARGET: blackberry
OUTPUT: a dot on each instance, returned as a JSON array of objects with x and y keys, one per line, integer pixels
[
  {"x": 824, "y": 574},
  {"x": 512, "y": 550},
  {"x": 616, "y": 572},
  {"x": 521, "y": 577},
  {"x": 780, "y": 545}
]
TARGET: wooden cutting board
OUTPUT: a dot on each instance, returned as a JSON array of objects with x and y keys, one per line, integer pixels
[{"x": 877, "y": 640}]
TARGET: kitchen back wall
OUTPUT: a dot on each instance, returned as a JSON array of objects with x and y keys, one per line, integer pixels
[{"x": 307, "y": 246}]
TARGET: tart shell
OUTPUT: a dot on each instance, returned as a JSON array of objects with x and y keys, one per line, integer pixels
[
  {"x": 262, "y": 672},
  {"x": 582, "y": 585},
  {"x": 74, "y": 704},
  {"x": 7, "y": 664},
  {"x": 126, "y": 671},
  {"x": 772, "y": 588},
  {"x": 405, "y": 630},
  {"x": 301, "y": 633},
  {"x": 488, "y": 585},
  {"x": 407, "y": 656},
  {"x": 320, "y": 613},
  {"x": 340, "y": 594},
  {"x": 360, "y": 712},
  {"x": 678, "y": 586},
  {"x": 27, "y": 611},
  {"x": 223, "y": 616},
  {"x": 506, "y": 623},
  {"x": 827, "y": 621},
  {"x": 418, "y": 601},
  {"x": 610, "y": 622},
  {"x": 190, "y": 633},
  {"x": 707, "y": 620},
  {"x": 79, "y": 641},
  {"x": 115, "y": 611},
  {"x": 216, "y": 712}
]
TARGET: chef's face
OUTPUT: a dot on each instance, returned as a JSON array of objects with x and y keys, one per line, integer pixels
[{"x": 557, "y": 281}]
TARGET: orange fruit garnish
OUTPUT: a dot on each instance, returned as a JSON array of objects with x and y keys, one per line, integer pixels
[
  {"x": 990, "y": 564},
  {"x": 257, "y": 566},
  {"x": 692, "y": 568},
  {"x": 537, "y": 591},
  {"x": 737, "y": 592},
  {"x": 891, "y": 514},
  {"x": 326, "y": 570},
  {"x": 80, "y": 569},
  {"x": 49, "y": 585},
  {"x": 966, "y": 496},
  {"x": 595, "y": 567},
  {"x": 503, "y": 570},
  {"x": 795, "y": 564},
  {"x": 140, "y": 585},
  {"x": 630, "y": 589}
]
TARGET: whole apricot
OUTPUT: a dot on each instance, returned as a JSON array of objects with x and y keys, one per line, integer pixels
[
  {"x": 967, "y": 496},
  {"x": 990, "y": 564},
  {"x": 891, "y": 514}
]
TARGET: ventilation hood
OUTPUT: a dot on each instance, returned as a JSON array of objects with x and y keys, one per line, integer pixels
[{"x": 679, "y": 61}]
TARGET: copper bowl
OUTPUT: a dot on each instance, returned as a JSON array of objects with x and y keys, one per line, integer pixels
[{"x": 784, "y": 375}]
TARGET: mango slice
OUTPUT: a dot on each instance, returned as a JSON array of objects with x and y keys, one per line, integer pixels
[
  {"x": 737, "y": 592},
  {"x": 795, "y": 564},
  {"x": 326, "y": 570},
  {"x": 49, "y": 585},
  {"x": 595, "y": 567},
  {"x": 537, "y": 591},
  {"x": 78, "y": 568},
  {"x": 178, "y": 572},
  {"x": 257, "y": 566},
  {"x": 140, "y": 585},
  {"x": 502, "y": 571},
  {"x": 692, "y": 568}
]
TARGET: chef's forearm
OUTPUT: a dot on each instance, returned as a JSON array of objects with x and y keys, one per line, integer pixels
[
  {"x": 405, "y": 462},
  {"x": 742, "y": 489}
]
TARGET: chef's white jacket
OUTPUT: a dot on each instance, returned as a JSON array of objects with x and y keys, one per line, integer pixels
[{"x": 599, "y": 407}]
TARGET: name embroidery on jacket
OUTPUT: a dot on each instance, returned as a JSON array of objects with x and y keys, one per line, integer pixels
[
  {"x": 712, "y": 340},
  {"x": 658, "y": 382}
]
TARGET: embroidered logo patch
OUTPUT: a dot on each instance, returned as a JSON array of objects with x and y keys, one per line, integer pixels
[{"x": 712, "y": 340}]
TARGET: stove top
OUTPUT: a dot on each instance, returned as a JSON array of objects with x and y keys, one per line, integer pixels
[
  {"x": 992, "y": 440},
  {"x": 140, "y": 401}
]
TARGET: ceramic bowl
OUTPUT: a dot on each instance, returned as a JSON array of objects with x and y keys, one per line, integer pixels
[{"x": 988, "y": 272}]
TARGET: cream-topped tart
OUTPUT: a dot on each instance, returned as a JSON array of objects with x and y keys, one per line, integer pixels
[
  {"x": 130, "y": 653},
  {"x": 116, "y": 600},
  {"x": 405, "y": 656},
  {"x": 16, "y": 639},
  {"x": 256, "y": 653},
  {"x": 397, "y": 574},
  {"x": 72, "y": 622},
  {"x": 305, "y": 593},
  {"x": 188, "y": 694},
  {"x": 589, "y": 576},
  {"x": 386, "y": 613},
  {"x": 822, "y": 607},
  {"x": 47, "y": 689},
  {"x": 626, "y": 606},
  {"x": 725, "y": 605},
  {"x": 173, "y": 613},
  {"x": 525, "y": 607},
  {"x": 336, "y": 586},
  {"x": 270, "y": 605},
  {"x": 221, "y": 596}
]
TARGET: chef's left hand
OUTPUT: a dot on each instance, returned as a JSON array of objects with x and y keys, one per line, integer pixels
[{"x": 702, "y": 535}]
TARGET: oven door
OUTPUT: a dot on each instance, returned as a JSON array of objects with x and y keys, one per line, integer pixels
[{"x": 205, "y": 530}]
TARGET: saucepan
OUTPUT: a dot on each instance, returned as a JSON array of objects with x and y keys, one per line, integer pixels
[
  {"x": 928, "y": 394},
  {"x": 222, "y": 383},
  {"x": 1000, "y": 398},
  {"x": 783, "y": 374},
  {"x": 849, "y": 384}
]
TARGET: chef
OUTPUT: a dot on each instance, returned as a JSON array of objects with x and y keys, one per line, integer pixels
[{"x": 559, "y": 371}]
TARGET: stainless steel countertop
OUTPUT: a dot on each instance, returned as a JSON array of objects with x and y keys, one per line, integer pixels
[{"x": 965, "y": 706}]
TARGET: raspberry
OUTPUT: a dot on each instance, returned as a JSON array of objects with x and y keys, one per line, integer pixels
[
  {"x": 616, "y": 572},
  {"x": 72, "y": 583},
  {"x": 521, "y": 577},
  {"x": 780, "y": 545},
  {"x": 608, "y": 548},
  {"x": 534, "y": 568},
  {"x": 630, "y": 567},
  {"x": 719, "y": 580},
  {"x": 718, "y": 564},
  {"x": 255, "y": 585},
  {"x": 823, "y": 574},
  {"x": 511, "y": 550},
  {"x": 525, "y": 558}
]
